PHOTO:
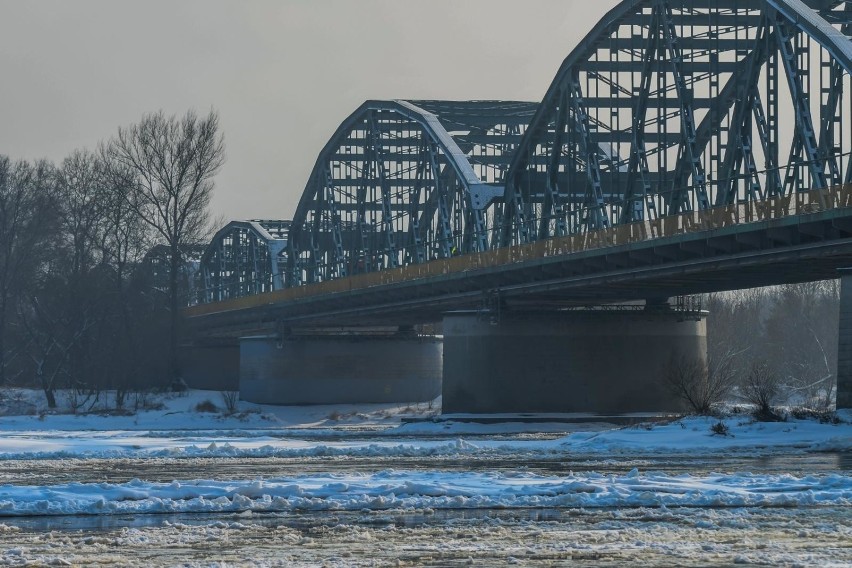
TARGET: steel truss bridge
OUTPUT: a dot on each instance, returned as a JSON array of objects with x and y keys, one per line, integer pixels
[
  {"x": 683, "y": 146},
  {"x": 244, "y": 258}
]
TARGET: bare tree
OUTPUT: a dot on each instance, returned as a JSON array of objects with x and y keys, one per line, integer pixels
[
  {"x": 81, "y": 195},
  {"x": 231, "y": 400},
  {"x": 27, "y": 222},
  {"x": 125, "y": 238},
  {"x": 736, "y": 322},
  {"x": 173, "y": 161},
  {"x": 81, "y": 305},
  {"x": 761, "y": 387},
  {"x": 802, "y": 335},
  {"x": 79, "y": 322},
  {"x": 52, "y": 340},
  {"x": 699, "y": 383},
  {"x": 125, "y": 235},
  {"x": 791, "y": 328}
]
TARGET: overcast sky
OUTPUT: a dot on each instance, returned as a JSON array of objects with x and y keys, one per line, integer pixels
[{"x": 281, "y": 73}]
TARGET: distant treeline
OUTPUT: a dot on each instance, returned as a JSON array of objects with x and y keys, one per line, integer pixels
[
  {"x": 92, "y": 256},
  {"x": 790, "y": 331}
]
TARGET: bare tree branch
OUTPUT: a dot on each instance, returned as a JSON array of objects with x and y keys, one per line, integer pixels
[{"x": 173, "y": 162}]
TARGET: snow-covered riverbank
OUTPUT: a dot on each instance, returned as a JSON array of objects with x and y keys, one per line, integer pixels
[{"x": 178, "y": 429}]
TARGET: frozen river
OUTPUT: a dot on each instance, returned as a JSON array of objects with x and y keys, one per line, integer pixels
[
  {"x": 165, "y": 469},
  {"x": 506, "y": 507},
  {"x": 808, "y": 536},
  {"x": 205, "y": 491}
]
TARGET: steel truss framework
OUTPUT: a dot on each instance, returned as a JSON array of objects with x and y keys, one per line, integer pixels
[
  {"x": 666, "y": 107},
  {"x": 698, "y": 103},
  {"x": 404, "y": 182},
  {"x": 244, "y": 258}
]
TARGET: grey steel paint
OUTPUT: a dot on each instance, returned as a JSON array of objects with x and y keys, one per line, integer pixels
[
  {"x": 590, "y": 361},
  {"x": 346, "y": 369}
]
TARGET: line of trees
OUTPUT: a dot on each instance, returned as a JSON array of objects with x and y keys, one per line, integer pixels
[
  {"x": 787, "y": 332},
  {"x": 767, "y": 347},
  {"x": 80, "y": 307}
]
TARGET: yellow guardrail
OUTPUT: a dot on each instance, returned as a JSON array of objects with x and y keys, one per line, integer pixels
[{"x": 801, "y": 203}]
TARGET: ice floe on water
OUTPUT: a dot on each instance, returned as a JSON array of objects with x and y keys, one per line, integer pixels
[
  {"x": 428, "y": 490},
  {"x": 335, "y": 472}
]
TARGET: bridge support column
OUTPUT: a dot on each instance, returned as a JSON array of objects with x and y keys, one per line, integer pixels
[
  {"x": 211, "y": 365},
  {"x": 340, "y": 368},
  {"x": 597, "y": 361},
  {"x": 844, "y": 338}
]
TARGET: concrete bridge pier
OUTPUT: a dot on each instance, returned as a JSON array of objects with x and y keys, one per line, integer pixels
[
  {"x": 844, "y": 338},
  {"x": 340, "y": 368},
  {"x": 212, "y": 364},
  {"x": 596, "y": 361}
]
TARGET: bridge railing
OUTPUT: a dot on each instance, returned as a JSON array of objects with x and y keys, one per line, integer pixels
[{"x": 801, "y": 203}]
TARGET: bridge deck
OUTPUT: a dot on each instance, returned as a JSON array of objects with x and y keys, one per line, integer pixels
[{"x": 776, "y": 241}]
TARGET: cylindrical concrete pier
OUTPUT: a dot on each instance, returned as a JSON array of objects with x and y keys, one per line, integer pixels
[
  {"x": 214, "y": 365},
  {"x": 597, "y": 361},
  {"x": 340, "y": 369}
]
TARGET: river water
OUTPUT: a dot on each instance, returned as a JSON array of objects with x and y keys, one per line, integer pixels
[
  {"x": 93, "y": 470},
  {"x": 689, "y": 536}
]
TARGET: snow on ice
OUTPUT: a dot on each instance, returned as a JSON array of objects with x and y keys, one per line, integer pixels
[
  {"x": 377, "y": 432},
  {"x": 178, "y": 430},
  {"x": 431, "y": 490}
]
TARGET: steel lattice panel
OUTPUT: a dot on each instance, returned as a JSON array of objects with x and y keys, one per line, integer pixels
[
  {"x": 675, "y": 106},
  {"x": 405, "y": 182}
]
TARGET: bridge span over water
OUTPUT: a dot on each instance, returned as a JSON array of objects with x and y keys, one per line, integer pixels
[{"x": 684, "y": 146}]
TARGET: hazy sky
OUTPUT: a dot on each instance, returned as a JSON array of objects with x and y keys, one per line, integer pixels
[{"x": 282, "y": 74}]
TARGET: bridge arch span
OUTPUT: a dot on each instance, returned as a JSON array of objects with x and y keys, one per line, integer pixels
[
  {"x": 404, "y": 182},
  {"x": 244, "y": 258},
  {"x": 669, "y": 106}
]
